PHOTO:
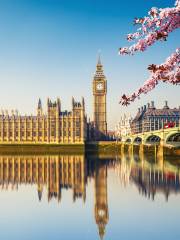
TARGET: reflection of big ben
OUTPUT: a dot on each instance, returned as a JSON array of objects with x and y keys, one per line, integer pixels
[
  {"x": 99, "y": 93},
  {"x": 101, "y": 202}
]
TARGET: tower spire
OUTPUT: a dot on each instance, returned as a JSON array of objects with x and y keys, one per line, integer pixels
[
  {"x": 39, "y": 108},
  {"x": 99, "y": 58},
  {"x": 99, "y": 68},
  {"x": 39, "y": 104}
]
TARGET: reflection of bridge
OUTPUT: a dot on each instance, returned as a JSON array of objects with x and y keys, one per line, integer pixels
[
  {"x": 151, "y": 176},
  {"x": 169, "y": 136}
]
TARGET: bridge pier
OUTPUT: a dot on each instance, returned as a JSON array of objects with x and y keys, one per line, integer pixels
[
  {"x": 122, "y": 148},
  {"x": 141, "y": 151},
  {"x": 141, "y": 148},
  {"x": 131, "y": 149},
  {"x": 162, "y": 141},
  {"x": 160, "y": 156}
]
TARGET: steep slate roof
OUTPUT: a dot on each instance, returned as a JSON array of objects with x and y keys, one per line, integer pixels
[
  {"x": 162, "y": 112},
  {"x": 152, "y": 112}
]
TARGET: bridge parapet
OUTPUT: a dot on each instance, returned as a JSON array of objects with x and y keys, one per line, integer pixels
[{"x": 162, "y": 137}]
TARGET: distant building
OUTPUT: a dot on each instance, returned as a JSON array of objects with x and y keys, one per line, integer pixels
[
  {"x": 149, "y": 118},
  {"x": 54, "y": 126},
  {"x": 123, "y": 128}
]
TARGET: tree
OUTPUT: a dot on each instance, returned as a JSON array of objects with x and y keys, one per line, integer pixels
[{"x": 155, "y": 27}]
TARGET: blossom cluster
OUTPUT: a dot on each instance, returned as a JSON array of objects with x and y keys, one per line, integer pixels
[
  {"x": 157, "y": 26},
  {"x": 168, "y": 72}
]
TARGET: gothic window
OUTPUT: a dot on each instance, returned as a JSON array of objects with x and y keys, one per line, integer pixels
[
  {"x": 77, "y": 124},
  {"x": 77, "y": 133}
]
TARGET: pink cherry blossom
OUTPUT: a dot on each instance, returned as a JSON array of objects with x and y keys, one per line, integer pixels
[
  {"x": 168, "y": 72},
  {"x": 155, "y": 27}
]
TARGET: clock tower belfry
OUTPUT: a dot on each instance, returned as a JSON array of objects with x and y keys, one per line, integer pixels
[{"x": 99, "y": 94}]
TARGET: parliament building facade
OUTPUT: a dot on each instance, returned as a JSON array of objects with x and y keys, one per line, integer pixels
[{"x": 56, "y": 126}]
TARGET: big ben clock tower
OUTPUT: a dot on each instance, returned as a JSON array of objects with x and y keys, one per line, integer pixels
[{"x": 99, "y": 93}]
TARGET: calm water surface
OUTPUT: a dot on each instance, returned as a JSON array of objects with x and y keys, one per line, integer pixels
[{"x": 89, "y": 197}]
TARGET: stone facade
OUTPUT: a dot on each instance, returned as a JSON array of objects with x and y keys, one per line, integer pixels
[
  {"x": 149, "y": 118},
  {"x": 54, "y": 126},
  {"x": 123, "y": 128},
  {"x": 57, "y": 126},
  {"x": 99, "y": 124}
]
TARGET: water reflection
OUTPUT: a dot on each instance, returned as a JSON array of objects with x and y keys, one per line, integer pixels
[
  {"x": 57, "y": 172},
  {"x": 150, "y": 175},
  {"x": 72, "y": 172},
  {"x": 51, "y": 172}
]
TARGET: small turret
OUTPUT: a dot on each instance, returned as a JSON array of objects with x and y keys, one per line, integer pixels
[
  {"x": 59, "y": 105},
  {"x": 53, "y": 108},
  {"x": 152, "y": 105},
  {"x": 39, "y": 103},
  {"x": 48, "y": 101},
  {"x": 39, "y": 109},
  {"x": 83, "y": 102},
  {"x": 40, "y": 190},
  {"x": 72, "y": 102},
  {"x": 166, "y": 105}
]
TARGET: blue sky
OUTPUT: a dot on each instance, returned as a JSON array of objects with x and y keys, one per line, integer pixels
[{"x": 48, "y": 48}]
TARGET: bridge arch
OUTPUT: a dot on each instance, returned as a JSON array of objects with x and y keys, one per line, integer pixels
[
  {"x": 153, "y": 139},
  {"x": 128, "y": 140},
  {"x": 173, "y": 137},
  {"x": 137, "y": 140}
]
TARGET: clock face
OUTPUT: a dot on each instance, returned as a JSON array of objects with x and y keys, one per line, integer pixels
[
  {"x": 101, "y": 213},
  {"x": 99, "y": 86}
]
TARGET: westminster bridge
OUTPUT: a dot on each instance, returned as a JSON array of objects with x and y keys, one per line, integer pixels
[
  {"x": 160, "y": 142},
  {"x": 169, "y": 136}
]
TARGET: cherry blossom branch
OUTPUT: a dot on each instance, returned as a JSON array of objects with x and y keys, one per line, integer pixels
[
  {"x": 156, "y": 26},
  {"x": 168, "y": 72}
]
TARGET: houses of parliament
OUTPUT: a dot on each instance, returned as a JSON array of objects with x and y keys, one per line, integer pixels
[{"x": 56, "y": 126}]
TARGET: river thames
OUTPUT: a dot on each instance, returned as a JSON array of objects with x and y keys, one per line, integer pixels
[{"x": 89, "y": 197}]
